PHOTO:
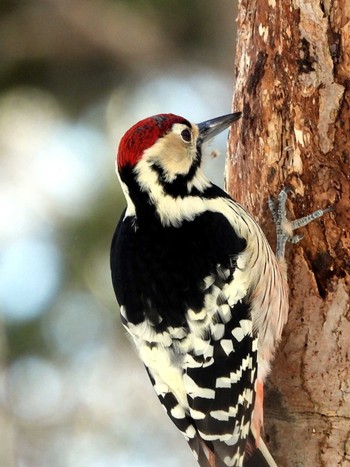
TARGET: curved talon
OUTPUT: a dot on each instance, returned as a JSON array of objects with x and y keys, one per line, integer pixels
[
  {"x": 284, "y": 227},
  {"x": 295, "y": 239},
  {"x": 288, "y": 189},
  {"x": 285, "y": 190}
]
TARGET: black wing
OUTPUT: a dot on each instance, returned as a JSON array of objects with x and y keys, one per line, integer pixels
[{"x": 158, "y": 275}]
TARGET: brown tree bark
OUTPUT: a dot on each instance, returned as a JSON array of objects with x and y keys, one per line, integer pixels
[{"x": 293, "y": 86}]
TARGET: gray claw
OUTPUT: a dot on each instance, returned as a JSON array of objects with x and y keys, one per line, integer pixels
[
  {"x": 295, "y": 239},
  {"x": 284, "y": 227}
]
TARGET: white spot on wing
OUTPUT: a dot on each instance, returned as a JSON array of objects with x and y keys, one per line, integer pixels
[
  {"x": 208, "y": 362},
  {"x": 190, "y": 432},
  {"x": 245, "y": 430},
  {"x": 217, "y": 330},
  {"x": 194, "y": 390},
  {"x": 245, "y": 329},
  {"x": 233, "y": 411},
  {"x": 225, "y": 312},
  {"x": 246, "y": 325},
  {"x": 196, "y": 415},
  {"x": 237, "y": 375},
  {"x": 190, "y": 362},
  {"x": 178, "y": 412},
  {"x": 223, "y": 382},
  {"x": 145, "y": 332},
  {"x": 247, "y": 396},
  {"x": 177, "y": 333},
  {"x": 208, "y": 281},
  {"x": 221, "y": 415},
  {"x": 238, "y": 334},
  {"x": 202, "y": 347},
  {"x": 215, "y": 437},
  {"x": 197, "y": 316},
  {"x": 227, "y": 346}
]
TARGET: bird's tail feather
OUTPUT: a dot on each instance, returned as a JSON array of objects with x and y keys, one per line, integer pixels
[
  {"x": 259, "y": 457},
  {"x": 200, "y": 451}
]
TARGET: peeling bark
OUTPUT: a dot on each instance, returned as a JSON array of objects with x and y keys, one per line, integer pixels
[{"x": 293, "y": 86}]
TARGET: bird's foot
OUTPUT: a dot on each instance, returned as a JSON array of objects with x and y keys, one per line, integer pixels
[{"x": 285, "y": 227}]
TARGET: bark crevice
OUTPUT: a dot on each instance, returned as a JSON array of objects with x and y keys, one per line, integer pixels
[{"x": 295, "y": 131}]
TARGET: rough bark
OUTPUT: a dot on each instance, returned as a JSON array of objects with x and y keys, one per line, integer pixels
[{"x": 293, "y": 86}]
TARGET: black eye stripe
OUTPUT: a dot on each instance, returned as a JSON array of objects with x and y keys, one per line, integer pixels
[{"x": 186, "y": 135}]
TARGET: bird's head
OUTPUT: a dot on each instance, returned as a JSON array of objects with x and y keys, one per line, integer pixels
[{"x": 162, "y": 153}]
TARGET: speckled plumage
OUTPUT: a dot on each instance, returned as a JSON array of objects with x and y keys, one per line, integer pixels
[{"x": 200, "y": 292}]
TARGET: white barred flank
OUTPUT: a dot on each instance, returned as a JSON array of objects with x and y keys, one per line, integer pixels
[
  {"x": 194, "y": 390},
  {"x": 224, "y": 415},
  {"x": 221, "y": 415},
  {"x": 246, "y": 363},
  {"x": 269, "y": 311}
]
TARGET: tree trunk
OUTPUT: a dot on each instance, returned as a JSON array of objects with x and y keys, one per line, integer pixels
[{"x": 293, "y": 86}]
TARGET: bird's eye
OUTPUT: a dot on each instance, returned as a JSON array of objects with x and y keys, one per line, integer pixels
[{"x": 186, "y": 135}]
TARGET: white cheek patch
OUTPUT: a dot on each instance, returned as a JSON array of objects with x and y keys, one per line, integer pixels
[{"x": 172, "y": 155}]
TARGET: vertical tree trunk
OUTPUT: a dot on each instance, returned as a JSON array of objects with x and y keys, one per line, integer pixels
[{"x": 293, "y": 86}]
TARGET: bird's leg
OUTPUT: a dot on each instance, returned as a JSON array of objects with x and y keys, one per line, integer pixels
[{"x": 284, "y": 227}]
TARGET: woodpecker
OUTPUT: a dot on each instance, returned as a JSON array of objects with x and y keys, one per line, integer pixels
[{"x": 200, "y": 291}]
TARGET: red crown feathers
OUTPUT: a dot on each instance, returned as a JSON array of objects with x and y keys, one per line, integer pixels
[{"x": 143, "y": 135}]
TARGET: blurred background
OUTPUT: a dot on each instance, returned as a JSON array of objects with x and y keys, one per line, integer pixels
[{"x": 74, "y": 76}]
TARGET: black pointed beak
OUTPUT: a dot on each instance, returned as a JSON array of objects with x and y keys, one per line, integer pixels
[{"x": 211, "y": 128}]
